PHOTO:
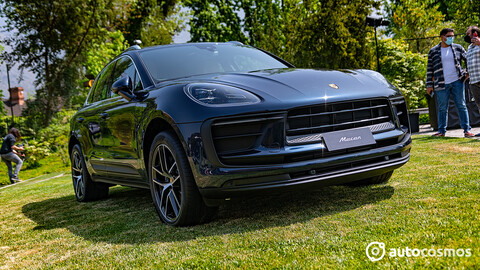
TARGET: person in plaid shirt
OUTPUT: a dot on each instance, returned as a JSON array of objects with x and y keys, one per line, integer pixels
[
  {"x": 445, "y": 77},
  {"x": 473, "y": 63}
]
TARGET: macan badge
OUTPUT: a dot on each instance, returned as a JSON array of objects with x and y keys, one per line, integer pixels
[{"x": 334, "y": 86}]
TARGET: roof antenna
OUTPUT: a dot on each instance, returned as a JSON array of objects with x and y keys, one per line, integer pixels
[{"x": 135, "y": 46}]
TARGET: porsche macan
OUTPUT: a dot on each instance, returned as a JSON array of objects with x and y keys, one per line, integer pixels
[{"x": 199, "y": 123}]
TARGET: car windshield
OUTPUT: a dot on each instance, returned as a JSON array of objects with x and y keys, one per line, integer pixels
[{"x": 170, "y": 62}]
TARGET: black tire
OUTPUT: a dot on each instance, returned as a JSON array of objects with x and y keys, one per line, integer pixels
[
  {"x": 85, "y": 189},
  {"x": 174, "y": 191},
  {"x": 380, "y": 179}
]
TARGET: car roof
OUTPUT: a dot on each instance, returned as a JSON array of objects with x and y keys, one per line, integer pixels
[{"x": 137, "y": 48}]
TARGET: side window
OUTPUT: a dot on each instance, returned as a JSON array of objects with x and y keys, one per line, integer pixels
[
  {"x": 103, "y": 85},
  {"x": 138, "y": 83},
  {"x": 125, "y": 67}
]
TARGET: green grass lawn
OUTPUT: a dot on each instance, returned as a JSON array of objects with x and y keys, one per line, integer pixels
[{"x": 432, "y": 202}]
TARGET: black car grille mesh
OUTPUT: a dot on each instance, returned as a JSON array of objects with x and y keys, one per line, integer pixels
[
  {"x": 235, "y": 136},
  {"x": 338, "y": 116}
]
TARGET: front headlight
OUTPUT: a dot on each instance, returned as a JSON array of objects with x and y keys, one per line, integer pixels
[{"x": 212, "y": 94}]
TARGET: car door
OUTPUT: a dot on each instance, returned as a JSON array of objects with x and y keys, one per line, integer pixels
[
  {"x": 122, "y": 160},
  {"x": 92, "y": 120}
]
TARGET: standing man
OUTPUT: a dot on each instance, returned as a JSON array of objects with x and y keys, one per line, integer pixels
[
  {"x": 445, "y": 77},
  {"x": 473, "y": 62}
]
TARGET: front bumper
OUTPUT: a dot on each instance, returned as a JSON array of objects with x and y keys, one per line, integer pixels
[
  {"x": 321, "y": 172},
  {"x": 241, "y": 154}
]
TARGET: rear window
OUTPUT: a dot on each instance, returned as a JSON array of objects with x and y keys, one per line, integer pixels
[{"x": 166, "y": 63}]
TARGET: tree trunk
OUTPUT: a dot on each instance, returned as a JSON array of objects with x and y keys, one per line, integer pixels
[{"x": 48, "y": 90}]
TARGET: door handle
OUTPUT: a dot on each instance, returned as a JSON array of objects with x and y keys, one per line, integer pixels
[
  {"x": 103, "y": 115},
  {"x": 80, "y": 119}
]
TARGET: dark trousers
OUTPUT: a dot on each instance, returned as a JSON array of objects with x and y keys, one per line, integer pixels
[{"x": 475, "y": 90}]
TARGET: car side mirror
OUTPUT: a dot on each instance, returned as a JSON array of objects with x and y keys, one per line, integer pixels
[{"x": 123, "y": 87}]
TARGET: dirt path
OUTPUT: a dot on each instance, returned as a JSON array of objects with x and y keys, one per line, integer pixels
[{"x": 29, "y": 181}]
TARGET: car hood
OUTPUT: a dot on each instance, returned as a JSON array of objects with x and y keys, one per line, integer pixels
[{"x": 310, "y": 84}]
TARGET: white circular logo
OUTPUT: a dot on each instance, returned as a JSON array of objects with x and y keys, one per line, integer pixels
[{"x": 375, "y": 251}]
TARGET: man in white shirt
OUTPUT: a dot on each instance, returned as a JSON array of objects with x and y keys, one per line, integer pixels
[{"x": 445, "y": 77}]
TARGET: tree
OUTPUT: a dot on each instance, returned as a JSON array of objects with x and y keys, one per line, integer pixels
[
  {"x": 215, "y": 21},
  {"x": 265, "y": 22},
  {"x": 159, "y": 28},
  {"x": 3, "y": 112},
  {"x": 49, "y": 39},
  {"x": 151, "y": 21},
  {"x": 101, "y": 53},
  {"x": 414, "y": 21},
  {"x": 329, "y": 34},
  {"x": 467, "y": 13}
]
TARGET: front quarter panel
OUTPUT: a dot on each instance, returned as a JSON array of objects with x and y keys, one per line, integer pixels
[{"x": 79, "y": 134}]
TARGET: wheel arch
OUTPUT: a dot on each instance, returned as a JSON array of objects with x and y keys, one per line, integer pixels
[
  {"x": 154, "y": 127},
  {"x": 71, "y": 143}
]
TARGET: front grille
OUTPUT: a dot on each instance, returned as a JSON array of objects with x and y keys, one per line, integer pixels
[
  {"x": 314, "y": 120},
  {"x": 270, "y": 138}
]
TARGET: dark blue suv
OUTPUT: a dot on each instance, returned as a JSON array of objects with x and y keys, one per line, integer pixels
[{"x": 202, "y": 122}]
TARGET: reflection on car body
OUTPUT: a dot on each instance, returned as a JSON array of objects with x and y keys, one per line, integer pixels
[
  {"x": 199, "y": 123},
  {"x": 94, "y": 128}
]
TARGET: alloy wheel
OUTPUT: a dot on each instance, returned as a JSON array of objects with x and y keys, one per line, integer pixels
[
  {"x": 77, "y": 175},
  {"x": 166, "y": 183}
]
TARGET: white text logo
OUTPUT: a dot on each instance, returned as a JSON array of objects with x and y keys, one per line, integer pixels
[
  {"x": 350, "y": 139},
  {"x": 376, "y": 251}
]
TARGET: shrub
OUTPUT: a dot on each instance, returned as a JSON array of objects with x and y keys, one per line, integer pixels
[
  {"x": 404, "y": 69},
  {"x": 34, "y": 152},
  {"x": 42, "y": 142},
  {"x": 5, "y": 122},
  {"x": 56, "y": 134},
  {"x": 424, "y": 119}
]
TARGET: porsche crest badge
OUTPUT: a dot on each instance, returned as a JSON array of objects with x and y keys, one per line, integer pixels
[{"x": 334, "y": 86}]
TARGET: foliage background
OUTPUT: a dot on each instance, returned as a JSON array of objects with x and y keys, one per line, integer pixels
[
  {"x": 63, "y": 41},
  {"x": 45, "y": 147},
  {"x": 333, "y": 34}
]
